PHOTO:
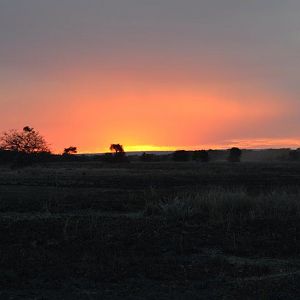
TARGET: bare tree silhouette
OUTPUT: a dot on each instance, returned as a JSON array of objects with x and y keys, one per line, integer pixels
[{"x": 26, "y": 141}]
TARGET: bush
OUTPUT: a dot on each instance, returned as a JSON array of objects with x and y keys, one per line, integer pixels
[
  {"x": 181, "y": 155},
  {"x": 235, "y": 154},
  {"x": 201, "y": 155}
]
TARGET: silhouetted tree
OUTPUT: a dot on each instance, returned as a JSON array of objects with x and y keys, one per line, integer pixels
[
  {"x": 235, "y": 154},
  {"x": 119, "y": 153},
  {"x": 201, "y": 155},
  {"x": 70, "y": 150},
  {"x": 181, "y": 155},
  {"x": 26, "y": 141},
  {"x": 117, "y": 148}
]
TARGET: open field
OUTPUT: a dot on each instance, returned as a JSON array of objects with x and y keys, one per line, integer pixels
[{"x": 150, "y": 231}]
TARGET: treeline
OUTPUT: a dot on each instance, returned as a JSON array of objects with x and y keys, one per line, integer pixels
[
  {"x": 28, "y": 146},
  {"x": 236, "y": 155},
  {"x": 19, "y": 159},
  {"x": 204, "y": 156},
  {"x": 232, "y": 155}
]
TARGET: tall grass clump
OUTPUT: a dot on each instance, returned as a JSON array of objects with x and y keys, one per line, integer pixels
[{"x": 219, "y": 205}]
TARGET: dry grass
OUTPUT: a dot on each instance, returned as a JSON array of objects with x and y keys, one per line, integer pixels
[{"x": 222, "y": 205}]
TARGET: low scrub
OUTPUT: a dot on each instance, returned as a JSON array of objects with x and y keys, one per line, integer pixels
[{"x": 222, "y": 205}]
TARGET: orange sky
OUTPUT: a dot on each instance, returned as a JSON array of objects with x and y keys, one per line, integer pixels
[
  {"x": 143, "y": 114},
  {"x": 152, "y": 75}
]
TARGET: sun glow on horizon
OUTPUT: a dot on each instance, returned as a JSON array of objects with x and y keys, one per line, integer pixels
[
  {"x": 141, "y": 148},
  {"x": 260, "y": 143},
  {"x": 149, "y": 116},
  {"x": 151, "y": 76}
]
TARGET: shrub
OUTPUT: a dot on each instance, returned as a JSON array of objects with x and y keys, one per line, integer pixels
[
  {"x": 235, "y": 154},
  {"x": 181, "y": 155},
  {"x": 201, "y": 155}
]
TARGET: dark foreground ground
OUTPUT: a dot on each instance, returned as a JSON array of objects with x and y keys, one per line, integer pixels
[{"x": 150, "y": 231}]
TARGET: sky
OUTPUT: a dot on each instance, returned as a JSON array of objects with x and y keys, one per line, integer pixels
[{"x": 152, "y": 74}]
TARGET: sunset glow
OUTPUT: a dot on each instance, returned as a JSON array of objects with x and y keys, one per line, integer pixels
[{"x": 151, "y": 78}]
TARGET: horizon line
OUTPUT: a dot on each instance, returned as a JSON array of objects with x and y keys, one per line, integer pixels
[{"x": 191, "y": 150}]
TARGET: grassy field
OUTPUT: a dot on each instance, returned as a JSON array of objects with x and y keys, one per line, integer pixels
[{"x": 150, "y": 231}]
